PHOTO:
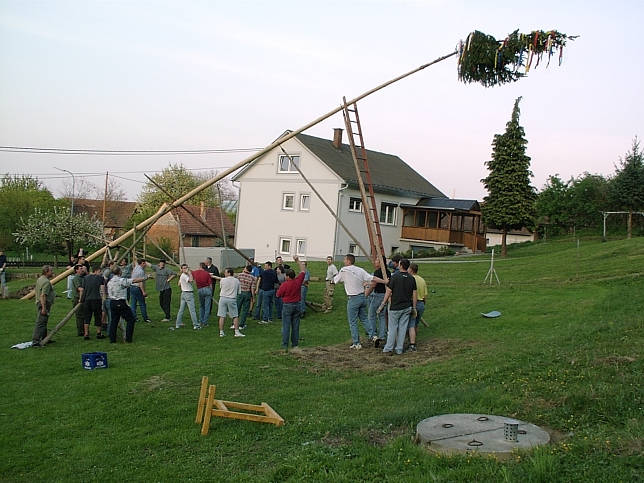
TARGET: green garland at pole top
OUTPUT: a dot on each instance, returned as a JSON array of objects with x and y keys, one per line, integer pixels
[{"x": 483, "y": 59}]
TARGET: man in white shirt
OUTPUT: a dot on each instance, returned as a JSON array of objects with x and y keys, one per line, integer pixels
[
  {"x": 229, "y": 288},
  {"x": 187, "y": 298},
  {"x": 355, "y": 279}
]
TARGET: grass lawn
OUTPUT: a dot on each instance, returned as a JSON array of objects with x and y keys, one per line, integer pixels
[{"x": 566, "y": 355}]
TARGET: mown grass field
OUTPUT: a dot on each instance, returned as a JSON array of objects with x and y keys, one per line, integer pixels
[{"x": 566, "y": 355}]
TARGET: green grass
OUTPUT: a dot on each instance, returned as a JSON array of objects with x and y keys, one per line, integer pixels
[{"x": 566, "y": 355}]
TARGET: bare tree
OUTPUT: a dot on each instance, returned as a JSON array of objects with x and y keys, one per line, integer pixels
[
  {"x": 114, "y": 190},
  {"x": 83, "y": 189}
]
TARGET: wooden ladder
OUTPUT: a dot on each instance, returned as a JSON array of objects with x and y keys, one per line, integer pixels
[{"x": 359, "y": 154}]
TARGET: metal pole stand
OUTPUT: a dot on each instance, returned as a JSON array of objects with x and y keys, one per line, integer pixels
[{"x": 492, "y": 272}]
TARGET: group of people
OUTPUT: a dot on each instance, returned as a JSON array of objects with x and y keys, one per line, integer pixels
[
  {"x": 269, "y": 281},
  {"x": 105, "y": 293},
  {"x": 367, "y": 298}
]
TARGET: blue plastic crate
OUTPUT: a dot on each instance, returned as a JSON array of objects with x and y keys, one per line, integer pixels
[{"x": 94, "y": 360}]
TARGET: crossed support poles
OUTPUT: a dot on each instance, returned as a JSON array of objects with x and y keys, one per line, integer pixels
[{"x": 209, "y": 406}]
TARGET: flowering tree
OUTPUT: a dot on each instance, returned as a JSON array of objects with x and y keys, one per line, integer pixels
[{"x": 54, "y": 231}]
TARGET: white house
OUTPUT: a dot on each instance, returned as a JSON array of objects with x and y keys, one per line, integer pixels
[{"x": 279, "y": 214}]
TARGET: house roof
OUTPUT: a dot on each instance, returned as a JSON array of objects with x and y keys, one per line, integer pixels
[
  {"x": 211, "y": 216},
  {"x": 117, "y": 213},
  {"x": 447, "y": 204},
  {"x": 389, "y": 173}
]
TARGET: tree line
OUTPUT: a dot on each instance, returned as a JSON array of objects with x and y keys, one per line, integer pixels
[
  {"x": 31, "y": 216},
  {"x": 561, "y": 206}
]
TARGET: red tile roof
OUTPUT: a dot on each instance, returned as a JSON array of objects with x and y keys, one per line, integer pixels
[
  {"x": 117, "y": 213},
  {"x": 212, "y": 218}
]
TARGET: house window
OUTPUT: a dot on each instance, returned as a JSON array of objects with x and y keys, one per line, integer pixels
[
  {"x": 286, "y": 163},
  {"x": 421, "y": 217},
  {"x": 287, "y": 201},
  {"x": 355, "y": 204},
  {"x": 305, "y": 201},
  {"x": 195, "y": 241},
  {"x": 353, "y": 248},
  {"x": 285, "y": 246},
  {"x": 300, "y": 246},
  {"x": 388, "y": 213}
]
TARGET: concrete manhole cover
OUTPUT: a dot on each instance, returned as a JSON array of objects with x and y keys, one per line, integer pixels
[{"x": 478, "y": 433}]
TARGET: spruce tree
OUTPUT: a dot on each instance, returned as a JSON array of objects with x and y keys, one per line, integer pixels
[
  {"x": 627, "y": 187},
  {"x": 510, "y": 203}
]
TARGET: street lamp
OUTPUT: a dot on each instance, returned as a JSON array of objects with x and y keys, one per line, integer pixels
[{"x": 71, "y": 214}]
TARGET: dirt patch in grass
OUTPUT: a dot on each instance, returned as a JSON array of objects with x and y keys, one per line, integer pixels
[
  {"x": 154, "y": 383},
  {"x": 381, "y": 438},
  {"x": 557, "y": 436},
  {"x": 334, "y": 441},
  {"x": 632, "y": 447},
  {"x": 18, "y": 294},
  {"x": 340, "y": 357},
  {"x": 615, "y": 360}
]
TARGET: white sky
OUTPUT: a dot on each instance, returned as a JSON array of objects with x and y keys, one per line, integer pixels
[{"x": 219, "y": 75}]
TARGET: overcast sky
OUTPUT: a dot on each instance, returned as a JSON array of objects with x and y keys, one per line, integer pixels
[{"x": 226, "y": 75}]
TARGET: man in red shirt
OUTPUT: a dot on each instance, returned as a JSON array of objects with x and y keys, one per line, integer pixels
[
  {"x": 203, "y": 279},
  {"x": 290, "y": 293}
]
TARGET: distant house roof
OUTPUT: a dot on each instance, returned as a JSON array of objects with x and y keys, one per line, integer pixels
[
  {"x": 447, "y": 204},
  {"x": 389, "y": 173},
  {"x": 212, "y": 217},
  {"x": 117, "y": 213}
]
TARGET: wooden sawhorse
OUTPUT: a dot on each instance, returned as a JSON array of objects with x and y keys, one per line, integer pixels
[{"x": 210, "y": 406}]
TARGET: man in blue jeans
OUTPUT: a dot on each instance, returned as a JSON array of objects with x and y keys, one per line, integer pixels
[
  {"x": 268, "y": 279},
  {"x": 377, "y": 291},
  {"x": 354, "y": 279},
  {"x": 421, "y": 293},
  {"x": 401, "y": 289},
  {"x": 137, "y": 290}
]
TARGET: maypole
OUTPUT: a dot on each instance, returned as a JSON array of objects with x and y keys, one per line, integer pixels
[{"x": 481, "y": 59}]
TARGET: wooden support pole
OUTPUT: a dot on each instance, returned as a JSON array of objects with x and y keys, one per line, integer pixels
[{"x": 60, "y": 324}]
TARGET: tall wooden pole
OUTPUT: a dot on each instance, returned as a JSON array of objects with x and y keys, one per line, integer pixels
[{"x": 165, "y": 208}]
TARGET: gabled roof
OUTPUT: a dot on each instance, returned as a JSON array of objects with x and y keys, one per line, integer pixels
[
  {"x": 447, "y": 204},
  {"x": 117, "y": 213},
  {"x": 389, "y": 173},
  {"x": 212, "y": 217}
]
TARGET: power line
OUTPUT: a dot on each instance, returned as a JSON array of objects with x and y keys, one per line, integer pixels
[
  {"x": 90, "y": 174},
  {"x": 107, "y": 152}
]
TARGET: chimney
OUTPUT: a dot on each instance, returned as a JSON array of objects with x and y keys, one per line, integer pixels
[
  {"x": 337, "y": 138},
  {"x": 202, "y": 211}
]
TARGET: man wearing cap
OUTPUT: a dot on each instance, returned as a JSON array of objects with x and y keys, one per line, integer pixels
[{"x": 163, "y": 277}]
